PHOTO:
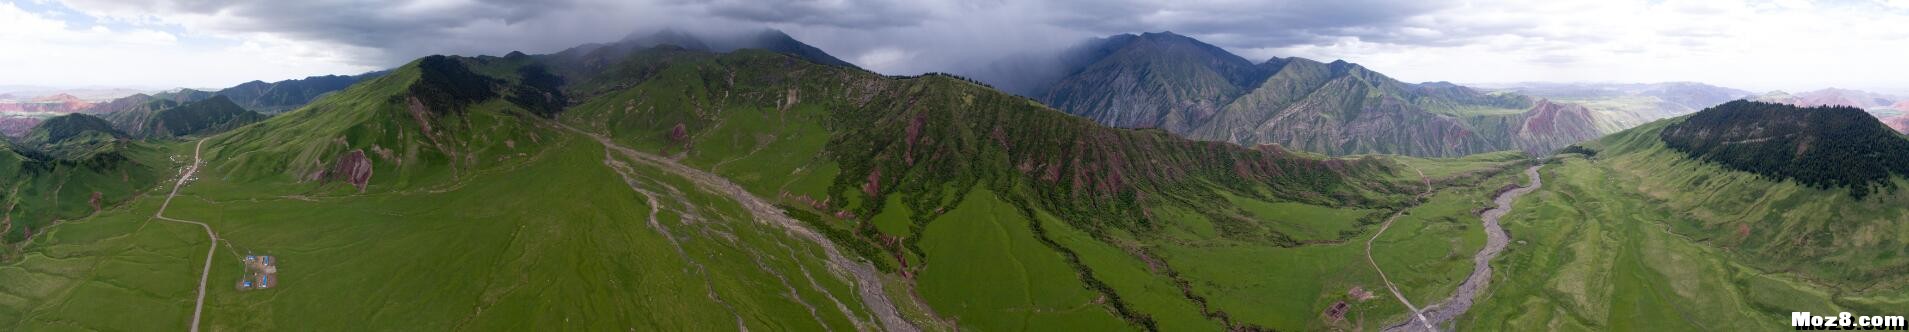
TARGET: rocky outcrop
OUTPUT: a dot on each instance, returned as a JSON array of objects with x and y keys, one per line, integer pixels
[
  {"x": 1550, "y": 126},
  {"x": 352, "y": 168}
]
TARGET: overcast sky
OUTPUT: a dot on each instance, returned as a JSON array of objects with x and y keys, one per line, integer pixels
[{"x": 1757, "y": 45}]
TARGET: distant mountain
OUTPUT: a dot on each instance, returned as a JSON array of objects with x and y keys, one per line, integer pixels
[
  {"x": 62, "y": 129},
  {"x": 285, "y": 95},
  {"x": 214, "y": 115},
  {"x": 257, "y": 96},
  {"x": 131, "y": 113},
  {"x": 1822, "y": 146},
  {"x": 142, "y": 116},
  {"x": 1620, "y": 106},
  {"x": 1833, "y": 97},
  {"x": 73, "y": 137},
  {"x": 57, "y": 103},
  {"x": 1342, "y": 108},
  {"x": 16, "y": 126},
  {"x": 1900, "y": 123},
  {"x": 1154, "y": 80},
  {"x": 1184, "y": 86},
  {"x": 772, "y": 40},
  {"x": 90, "y": 94},
  {"x": 183, "y": 95},
  {"x": 673, "y": 37},
  {"x": 1546, "y": 127},
  {"x": 779, "y": 42}
]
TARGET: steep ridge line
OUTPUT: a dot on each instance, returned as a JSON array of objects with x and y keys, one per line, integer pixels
[
  {"x": 198, "y": 306},
  {"x": 868, "y": 283},
  {"x": 1375, "y": 263},
  {"x": 1495, "y": 241}
]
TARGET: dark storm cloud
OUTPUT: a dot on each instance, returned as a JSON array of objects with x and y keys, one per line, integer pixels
[
  {"x": 380, "y": 26},
  {"x": 393, "y": 31},
  {"x": 1257, "y": 23},
  {"x": 860, "y": 14},
  {"x": 927, "y": 33}
]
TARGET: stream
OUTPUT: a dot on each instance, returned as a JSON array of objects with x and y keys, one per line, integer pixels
[{"x": 1495, "y": 240}]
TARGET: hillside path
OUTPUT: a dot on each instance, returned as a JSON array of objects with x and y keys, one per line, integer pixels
[
  {"x": 1375, "y": 263},
  {"x": 867, "y": 280},
  {"x": 198, "y": 306},
  {"x": 1495, "y": 241}
]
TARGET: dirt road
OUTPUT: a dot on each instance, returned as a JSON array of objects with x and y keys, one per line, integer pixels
[
  {"x": 1418, "y": 317},
  {"x": 1495, "y": 240},
  {"x": 198, "y": 306},
  {"x": 867, "y": 280}
]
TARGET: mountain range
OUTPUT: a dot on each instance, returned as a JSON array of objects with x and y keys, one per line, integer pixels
[
  {"x": 57, "y": 103},
  {"x": 1621, "y": 106},
  {"x": 866, "y": 199},
  {"x": 1181, "y": 85},
  {"x": 671, "y": 181},
  {"x": 1892, "y": 110},
  {"x": 165, "y": 118},
  {"x": 1832, "y": 97}
]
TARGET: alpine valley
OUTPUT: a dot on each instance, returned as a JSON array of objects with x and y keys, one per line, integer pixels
[{"x": 676, "y": 181}]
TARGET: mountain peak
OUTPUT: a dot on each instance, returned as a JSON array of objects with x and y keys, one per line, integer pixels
[
  {"x": 1162, "y": 34},
  {"x": 773, "y": 40},
  {"x": 773, "y": 33},
  {"x": 667, "y": 36},
  {"x": 59, "y": 129},
  {"x": 1294, "y": 59},
  {"x": 58, "y": 97}
]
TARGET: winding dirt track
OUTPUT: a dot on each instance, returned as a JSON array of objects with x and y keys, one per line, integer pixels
[
  {"x": 867, "y": 282},
  {"x": 1495, "y": 240},
  {"x": 1419, "y": 317},
  {"x": 198, "y": 306}
]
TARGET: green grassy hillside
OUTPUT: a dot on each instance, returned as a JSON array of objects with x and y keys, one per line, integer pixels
[
  {"x": 1823, "y": 147},
  {"x": 70, "y": 128},
  {"x": 487, "y": 239},
  {"x": 1163, "y": 229},
  {"x": 445, "y": 196},
  {"x": 209, "y": 116},
  {"x": 428, "y": 123},
  {"x": 1642, "y": 235},
  {"x": 130, "y": 114},
  {"x": 72, "y": 178},
  {"x": 1782, "y": 225}
]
